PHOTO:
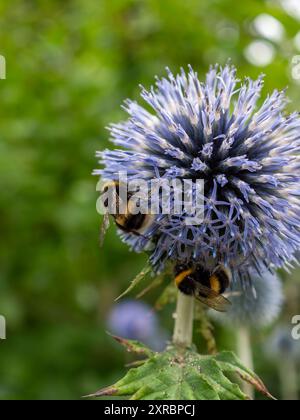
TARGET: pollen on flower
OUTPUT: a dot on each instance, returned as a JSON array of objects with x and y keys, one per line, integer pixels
[{"x": 248, "y": 157}]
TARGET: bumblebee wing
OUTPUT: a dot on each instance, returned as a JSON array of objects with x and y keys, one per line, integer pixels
[
  {"x": 219, "y": 304},
  {"x": 233, "y": 294},
  {"x": 104, "y": 227},
  {"x": 210, "y": 298}
]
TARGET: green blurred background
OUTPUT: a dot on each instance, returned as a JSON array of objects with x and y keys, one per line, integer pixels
[{"x": 70, "y": 64}]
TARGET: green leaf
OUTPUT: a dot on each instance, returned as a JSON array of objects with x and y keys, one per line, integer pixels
[
  {"x": 179, "y": 374},
  {"x": 231, "y": 364},
  {"x": 147, "y": 270},
  {"x": 153, "y": 285},
  {"x": 133, "y": 346}
]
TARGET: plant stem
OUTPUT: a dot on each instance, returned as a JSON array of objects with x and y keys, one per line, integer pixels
[
  {"x": 246, "y": 356},
  {"x": 288, "y": 378},
  {"x": 184, "y": 319}
]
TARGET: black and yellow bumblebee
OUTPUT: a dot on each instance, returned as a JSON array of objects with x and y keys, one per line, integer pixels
[
  {"x": 124, "y": 220},
  {"x": 207, "y": 287}
]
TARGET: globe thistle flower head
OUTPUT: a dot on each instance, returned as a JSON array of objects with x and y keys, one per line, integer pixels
[
  {"x": 133, "y": 320},
  {"x": 281, "y": 345},
  {"x": 247, "y": 155},
  {"x": 137, "y": 321},
  {"x": 255, "y": 305}
]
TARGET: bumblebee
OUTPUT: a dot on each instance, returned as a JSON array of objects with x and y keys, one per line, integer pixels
[
  {"x": 124, "y": 219},
  {"x": 205, "y": 286}
]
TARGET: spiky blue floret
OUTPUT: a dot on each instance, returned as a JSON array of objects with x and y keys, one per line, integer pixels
[{"x": 249, "y": 157}]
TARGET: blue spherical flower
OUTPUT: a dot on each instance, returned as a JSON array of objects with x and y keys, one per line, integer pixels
[
  {"x": 137, "y": 321},
  {"x": 247, "y": 155},
  {"x": 257, "y": 305},
  {"x": 282, "y": 345}
]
